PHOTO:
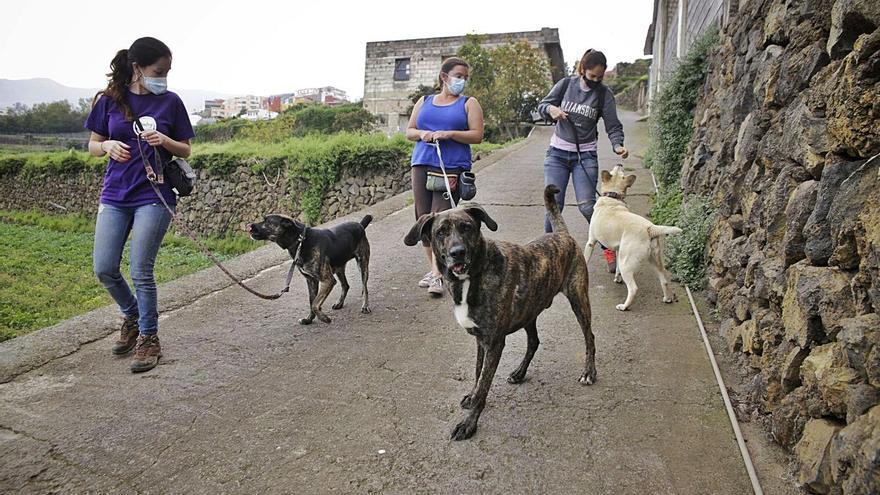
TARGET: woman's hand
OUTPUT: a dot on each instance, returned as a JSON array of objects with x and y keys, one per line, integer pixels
[
  {"x": 426, "y": 136},
  {"x": 622, "y": 151},
  {"x": 438, "y": 135},
  {"x": 117, "y": 150},
  {"x": 556, "y": 113},
  {"x": 154, "y": 138}
]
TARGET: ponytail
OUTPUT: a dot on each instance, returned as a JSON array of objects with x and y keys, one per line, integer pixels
[{"x": 119, "y": 78}]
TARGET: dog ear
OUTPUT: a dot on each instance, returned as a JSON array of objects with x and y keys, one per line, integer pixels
[
  {"x": 480, "y": 215},
  {"x": 630, "y": 179},
  {"x": 422, "y": 228},
  {"x": 606, "y": 176}
]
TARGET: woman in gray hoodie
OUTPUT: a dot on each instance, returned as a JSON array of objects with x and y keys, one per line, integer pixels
[{"x": 577, "y": 103}]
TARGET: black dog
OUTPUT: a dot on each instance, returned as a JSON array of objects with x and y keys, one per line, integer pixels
[
  {"x": 499, "y": 287},
  {"x": 320, "y": 254}
]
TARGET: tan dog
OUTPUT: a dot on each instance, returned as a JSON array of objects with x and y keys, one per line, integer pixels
[{"x": 634, "y": 238}]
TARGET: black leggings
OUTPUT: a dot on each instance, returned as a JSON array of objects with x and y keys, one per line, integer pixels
[{"x": 425, "y": 201}]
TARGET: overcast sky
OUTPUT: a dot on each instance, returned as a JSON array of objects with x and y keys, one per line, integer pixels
[{"x": 264, "y": 47}]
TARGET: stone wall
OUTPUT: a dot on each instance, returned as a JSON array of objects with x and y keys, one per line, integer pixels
[
  {"x": 785, "y": 132},
  {"x": 221, "y": 204},
  {"x": 634, "y": 97}
]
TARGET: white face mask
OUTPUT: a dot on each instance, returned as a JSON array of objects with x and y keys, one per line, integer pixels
[
  {"x": 155, "y": 85},
  {"x": 456, "y": 85}
]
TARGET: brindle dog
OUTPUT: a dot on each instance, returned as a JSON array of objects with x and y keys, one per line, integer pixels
[
  {"x": 499, "y": 287},
  {"x": 320, "y": 254}
]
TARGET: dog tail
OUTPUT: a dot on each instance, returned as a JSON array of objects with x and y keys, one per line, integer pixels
[
  {"x": 655, "y": 231},
  {"x": 556, "y": 220},
  {"x": 366, "y": 221}
]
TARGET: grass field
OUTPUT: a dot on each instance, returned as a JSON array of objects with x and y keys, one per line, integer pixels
[{"x": 46, "y": 267}]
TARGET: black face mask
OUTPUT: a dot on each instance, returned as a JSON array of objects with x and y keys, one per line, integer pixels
[{"x": 592, "y": 84}]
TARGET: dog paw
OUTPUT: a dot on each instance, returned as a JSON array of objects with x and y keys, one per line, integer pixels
[
  {"x": 324, "y": 318},
  {"x": 670, "y": 300},
  {"x": 337, "y": 306},
  {"x": 305, "y": 321},
  {"x": 466, "y": 402},
  {"x": 366, "y": 310},
  {"x": 621, "y": 307},
  {"x": 464, "y": 430},
  {"x": 516, "y": 377},
  {"x": 588, "y": 378},
  {"x": 618, "y": 279}
]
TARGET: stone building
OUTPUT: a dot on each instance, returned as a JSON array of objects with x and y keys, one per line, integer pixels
[
  {"x": 395, "y": 69},
  {"x": 675, "y": 26}
]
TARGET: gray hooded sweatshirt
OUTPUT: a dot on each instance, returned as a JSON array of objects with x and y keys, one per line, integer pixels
[{"x": 581, "y": 106}]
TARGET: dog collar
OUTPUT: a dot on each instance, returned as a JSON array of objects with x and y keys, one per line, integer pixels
[
  {"x": 296, "y": 258},
  {"x": 613, "y": 195}
]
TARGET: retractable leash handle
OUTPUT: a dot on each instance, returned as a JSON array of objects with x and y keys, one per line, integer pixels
[
  {"x": 152, "y": 176},
  {"x": 436, "y": 145}
]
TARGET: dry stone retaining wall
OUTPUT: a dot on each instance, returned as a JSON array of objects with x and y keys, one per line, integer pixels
[
  {"x": 222, "y": 202},
  {"x": 784, "y": 135}
]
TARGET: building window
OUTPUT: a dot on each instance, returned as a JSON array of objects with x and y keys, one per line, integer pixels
[{"x": 401, "y": 69}]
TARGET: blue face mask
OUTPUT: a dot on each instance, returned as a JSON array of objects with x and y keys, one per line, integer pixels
[
  {"x": 456, "y": 85},
  {"x": 156, "y": 85}
]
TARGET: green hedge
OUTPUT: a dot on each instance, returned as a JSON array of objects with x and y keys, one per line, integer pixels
[
  {"x": 672, "y": 112},
  {"x": 672, "y": 125},
  {"x": 297, "y": 121},
  {"x": 317, "y": 160},
  {"x": 48, "y": 162}
]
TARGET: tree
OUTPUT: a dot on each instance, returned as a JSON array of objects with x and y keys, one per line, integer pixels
[
  {"x": 522, "y": 78},
  {"x": 58, "y": 116},
  {"x": 509, "y": 81}
]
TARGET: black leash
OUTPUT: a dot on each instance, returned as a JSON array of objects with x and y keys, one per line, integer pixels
[{"x": 157, "y": 178}]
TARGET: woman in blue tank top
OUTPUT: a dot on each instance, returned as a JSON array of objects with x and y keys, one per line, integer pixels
[{"x": 455, "y": 122}]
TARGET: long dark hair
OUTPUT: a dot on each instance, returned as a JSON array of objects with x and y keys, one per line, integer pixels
[
  {"x": 144, "y": 51},
  {"x": 449, "y": 64},
  {"x": 591, "y": 59}
]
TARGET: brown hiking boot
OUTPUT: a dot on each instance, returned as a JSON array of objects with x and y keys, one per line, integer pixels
[
  {"x": 128, "y": 335},
  {"x": 146, "y": 354}
]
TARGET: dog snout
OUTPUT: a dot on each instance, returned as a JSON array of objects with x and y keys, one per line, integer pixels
[{"x": 457, "y": 252}]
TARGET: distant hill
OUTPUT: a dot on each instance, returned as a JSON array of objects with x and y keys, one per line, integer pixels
[{"x": 43, "y": 90}]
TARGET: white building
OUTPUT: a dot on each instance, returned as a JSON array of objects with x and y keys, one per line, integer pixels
[
  {"x": 248, "y": 103},
  {"x": 327, "y": 95},
  {"x": 259, "y": 114}
]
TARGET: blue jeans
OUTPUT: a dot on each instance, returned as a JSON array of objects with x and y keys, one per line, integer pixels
[
  {"x": 561, "y": 165},
  {"x": 147, "y": 225}
]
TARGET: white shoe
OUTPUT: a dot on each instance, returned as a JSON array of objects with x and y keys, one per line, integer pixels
[
  {"x": 425, "y": 282},
  {"x": 436, "y": 288}
]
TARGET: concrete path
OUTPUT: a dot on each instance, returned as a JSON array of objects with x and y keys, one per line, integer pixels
[{"x": 247, "y": 401}]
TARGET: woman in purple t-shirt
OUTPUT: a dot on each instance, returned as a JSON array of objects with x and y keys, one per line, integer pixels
[{"x": 137, "y": 90}]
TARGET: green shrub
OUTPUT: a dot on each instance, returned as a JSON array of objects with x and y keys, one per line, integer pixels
[
  {"x": 672, "y": 113},
  {"x": 297, "y": 121},
  {"x": 35, "y": 163},
  {"x": 672, "y": 123},
  {"x": 666, "y": 206},
  {"x": 685, "y": 252}
]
